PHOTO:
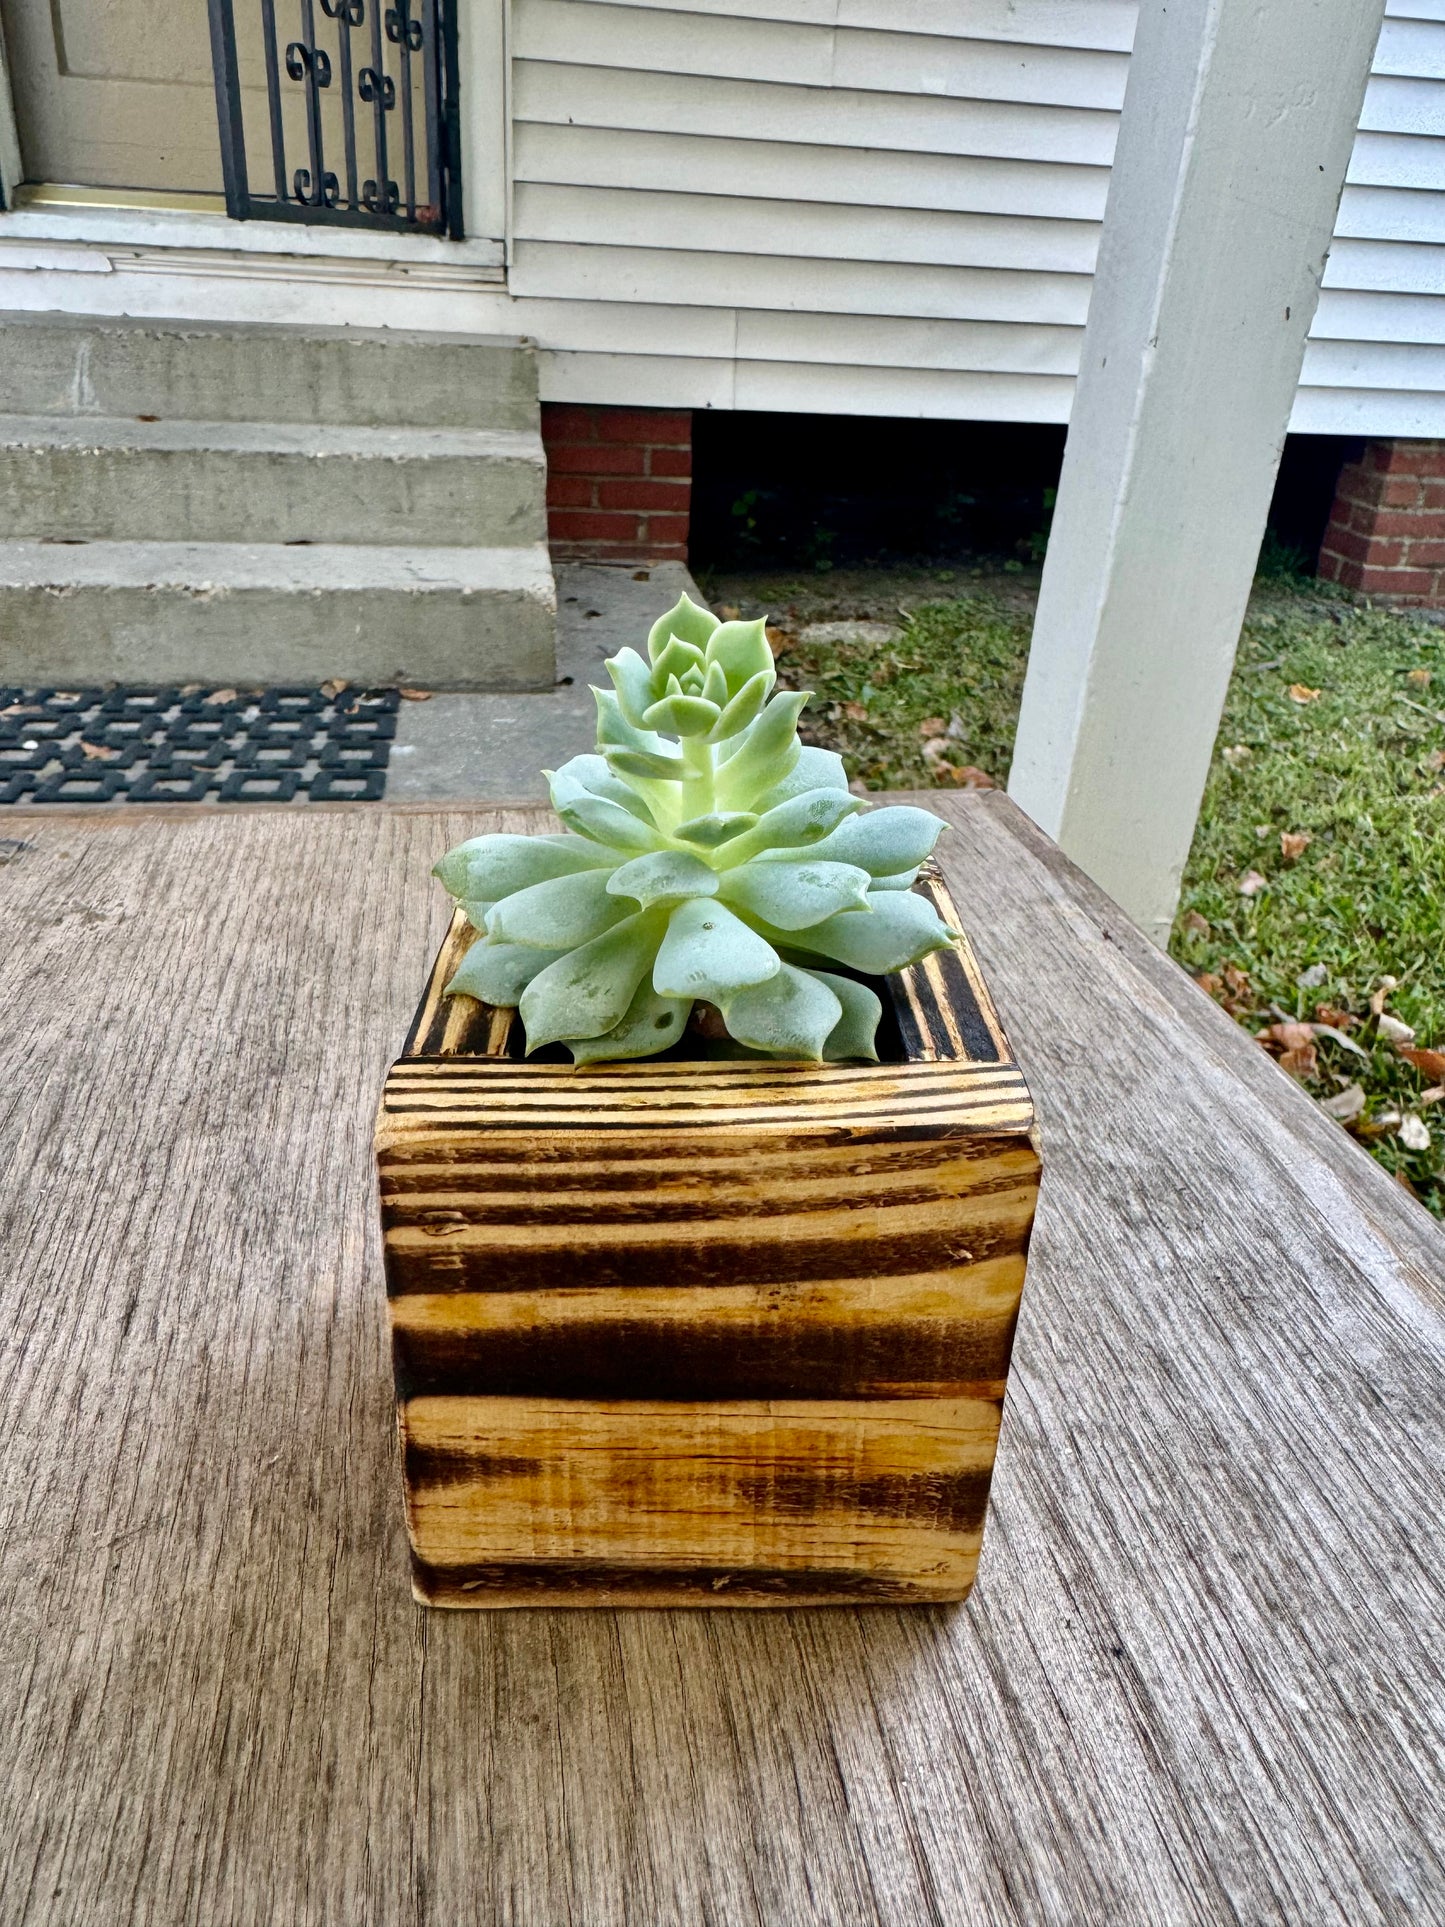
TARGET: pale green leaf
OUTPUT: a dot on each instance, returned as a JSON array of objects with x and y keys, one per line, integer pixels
[
  {"x": 901, "y": 928},
  {"x": 646, "y": 767},
  {"x": 766, "y": 751},
  {"x": 815, "y": 769},
  {"x": 588, "y": 991},
  {"x": 681, "y": 715},
  {"x": 900, "y": 880},
  {"x": 633, "y": 681},
  {"x": 606, "y": 823},
  {"x": 709, "y": 831},
  {"x": 475, "y": 912},
  {"x": 559, "y": 914},
  {"x": 741, "y": 651},
  {"x": 498, "y": 973},
  {"x": 664, "y": 877},
  {"x": 676, "y": 660},
  {"x": 715, "y": 686},
  {"x": 744, "y": 708},
  {"x": 885, "y": 841},
  {"x": 684, "y": 619},
  {"x": 855, "y": 1034},
  {"x": 652, "y": 1023},
  {"x": 614, "y": 731},
  {"x": 488, "y": 867},
  {"x": 795, "y": 826},
  {"x": 793, "y": 1014},
  {"x": 791, "y": 896},
  {"x": 708, "y": 952}
]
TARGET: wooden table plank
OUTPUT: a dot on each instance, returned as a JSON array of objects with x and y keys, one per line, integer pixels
[{"x": 1200, "y": 1678}]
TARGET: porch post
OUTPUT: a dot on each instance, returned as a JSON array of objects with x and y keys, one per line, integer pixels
[{"x": 1237, "y": 128}]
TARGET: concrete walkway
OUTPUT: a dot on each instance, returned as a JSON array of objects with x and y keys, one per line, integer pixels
[{"x": 493, "y": 748}]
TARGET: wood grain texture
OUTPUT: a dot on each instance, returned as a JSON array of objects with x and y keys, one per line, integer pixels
[
  {"x": 1200, "y": 1676},
  {"x": 709, "y": 1234}
]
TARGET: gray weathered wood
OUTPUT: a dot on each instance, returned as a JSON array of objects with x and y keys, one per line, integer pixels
[{"x": 1200, "y": 1678}]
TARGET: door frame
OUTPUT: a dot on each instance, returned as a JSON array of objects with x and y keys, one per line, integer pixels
[{"x": 483, "y": 57}]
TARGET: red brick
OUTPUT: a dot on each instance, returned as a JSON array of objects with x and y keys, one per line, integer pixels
[
  {"x": 669, "y": 461},
  {"x": 1432, "y": 495},
  {"x": 652, "y": 427},
  {"x": 1399, "y": 492},
  {"x": 1426, "y": 553},
  {"x": 1411, "y": 522},
  {"x": 596, "y": 458},
  {"x": 645, "y": 495},
  {"x": 568, "y": 422},
  {"x": 591, "y": 525},
  {"x": 1353, "y": 547},
  {"x": 1331, "y": 567},
  {"x": 1396, "y": 582},
  {"x": 571, "y": 492}
]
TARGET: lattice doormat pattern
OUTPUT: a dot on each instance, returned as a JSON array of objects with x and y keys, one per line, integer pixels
[{"x": 195, "y": 745}]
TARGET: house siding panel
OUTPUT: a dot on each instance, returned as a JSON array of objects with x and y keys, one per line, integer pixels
[{"x": 892, "y": 206}]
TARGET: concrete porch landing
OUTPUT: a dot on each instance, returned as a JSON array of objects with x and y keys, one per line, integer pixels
[{"x": 493, "y": 748}]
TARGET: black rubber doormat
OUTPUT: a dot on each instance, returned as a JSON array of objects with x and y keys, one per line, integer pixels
[{"x": 195, "y": 745}]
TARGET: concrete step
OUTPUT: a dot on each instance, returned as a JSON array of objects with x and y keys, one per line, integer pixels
[
  {"x": 53, "y": 364},
  {"x": 118, "y": 479},
  {"x": 162, "y": 612}
]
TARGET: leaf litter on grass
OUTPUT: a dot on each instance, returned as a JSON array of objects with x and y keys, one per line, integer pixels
[{"x": 1315, "y": 891}]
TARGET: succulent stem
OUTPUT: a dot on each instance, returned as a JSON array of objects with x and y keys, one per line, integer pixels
[{"x": 699, "y": 797}]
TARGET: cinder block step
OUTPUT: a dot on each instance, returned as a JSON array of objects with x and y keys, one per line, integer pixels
[
  {"x": 118, "y": 479},
  {"x": 211, "y": 372},
  {"x": 176, "y": 612}
]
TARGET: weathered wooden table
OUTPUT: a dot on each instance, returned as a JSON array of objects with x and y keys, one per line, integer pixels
[{"x": 1200, "y": 1679}]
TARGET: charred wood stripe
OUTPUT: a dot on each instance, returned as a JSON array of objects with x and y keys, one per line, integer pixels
[
  {"x": 1016, "y": 1117},
  {"x": 425, "y": 1265},
  {"x": 624, "y": 1161},
  {"x": 437, "y": 1214},
  {"x": 597, "y": 1583},
  {"x": 612, "y": 1359},
  {"x": 486, "y": 1074}
]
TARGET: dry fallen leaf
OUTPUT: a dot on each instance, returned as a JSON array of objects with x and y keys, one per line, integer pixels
[
  {"x": 415, "y": 695},
  {"x": 1333, "y": 1017},
  {"x": 1346, "y": 1105},
  {"x": 1436, "y": 759},
  {"x": 727, "y": 611},
  {"x": 1433, "y": 1095},
  {"x": 1414, "y": 1132},
  {"x": 1378, "y": 998},
  {"x": 933, "y": 726},
  {"x": 1419, "y": 678},
  {"x": 1237, "y": 753},
  {"x": 1294, "y": 843},
  {"x": 855, "y": 712},
  {"x": 936, "y": 748},
  {"x": 98, "y": 752},
  {"x": 220, "y": 696},
  {"x": 969, "y": 777},
  {"x": 333, "y": 689},
  {"x": 1429, "y": 1063},
  {"x": 1195, "y": 925},
  {"x": 1289, "y": 1036},
  {"x": 1394, "y": 1030},
  {"x": 1209, "y": 983},
  {"x": 1300, "y": 692},
  {"x": 1301, "y": 1063},
  {"x": 1251, "y": 883}
]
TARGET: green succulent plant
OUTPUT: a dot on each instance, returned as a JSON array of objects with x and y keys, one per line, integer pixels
[{"x": 709, "y": 856}]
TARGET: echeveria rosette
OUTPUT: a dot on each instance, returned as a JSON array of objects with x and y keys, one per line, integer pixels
[{"x": 708, "y": 856}]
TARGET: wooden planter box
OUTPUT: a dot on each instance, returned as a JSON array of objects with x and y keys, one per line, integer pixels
[{"x": 703, "y": 1333}]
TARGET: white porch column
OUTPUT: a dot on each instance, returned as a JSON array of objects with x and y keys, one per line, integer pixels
[{"x": 1237, "y": 127}]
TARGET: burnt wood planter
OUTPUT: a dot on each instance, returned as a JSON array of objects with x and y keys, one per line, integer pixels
[{"x": 704, "y": 1333}]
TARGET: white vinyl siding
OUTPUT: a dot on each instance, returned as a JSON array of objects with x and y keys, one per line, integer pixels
[{"x": 892, "y": 207}]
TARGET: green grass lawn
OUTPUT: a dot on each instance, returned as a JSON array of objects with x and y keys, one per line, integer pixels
[{"x": 1318, "y": 868}]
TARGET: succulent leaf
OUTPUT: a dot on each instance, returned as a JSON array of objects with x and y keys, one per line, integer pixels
[
  {"x": 488, "y": 867},
  {"x": 901, "y": 929},
  {"x": 855, "y": 1032},
  {"x": 652, "y": 1024},
  {"x": 684, "y": 620},
  {"x": 498, "y": 973},
  {"x": 664, "y": 876},
  {"x": 710, "y": 953},
  {"x": 702, "y": 840},
  {"x": 792, "y": 1015},
  {"x": 791, "y": 896},
  {"x": 559, "y": 914},
  {"x": 588, "y": 990}
]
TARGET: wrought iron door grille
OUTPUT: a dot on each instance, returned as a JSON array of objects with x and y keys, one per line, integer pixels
[{"x": 356, "y": 102}]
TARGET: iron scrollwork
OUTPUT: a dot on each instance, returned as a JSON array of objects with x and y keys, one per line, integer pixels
[{"x": 322, "y": 94}]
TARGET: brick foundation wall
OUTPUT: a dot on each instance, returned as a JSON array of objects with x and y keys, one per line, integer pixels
[
  {"x": 1386, "y": 533},
  {"x": 619, "y": 482}
]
